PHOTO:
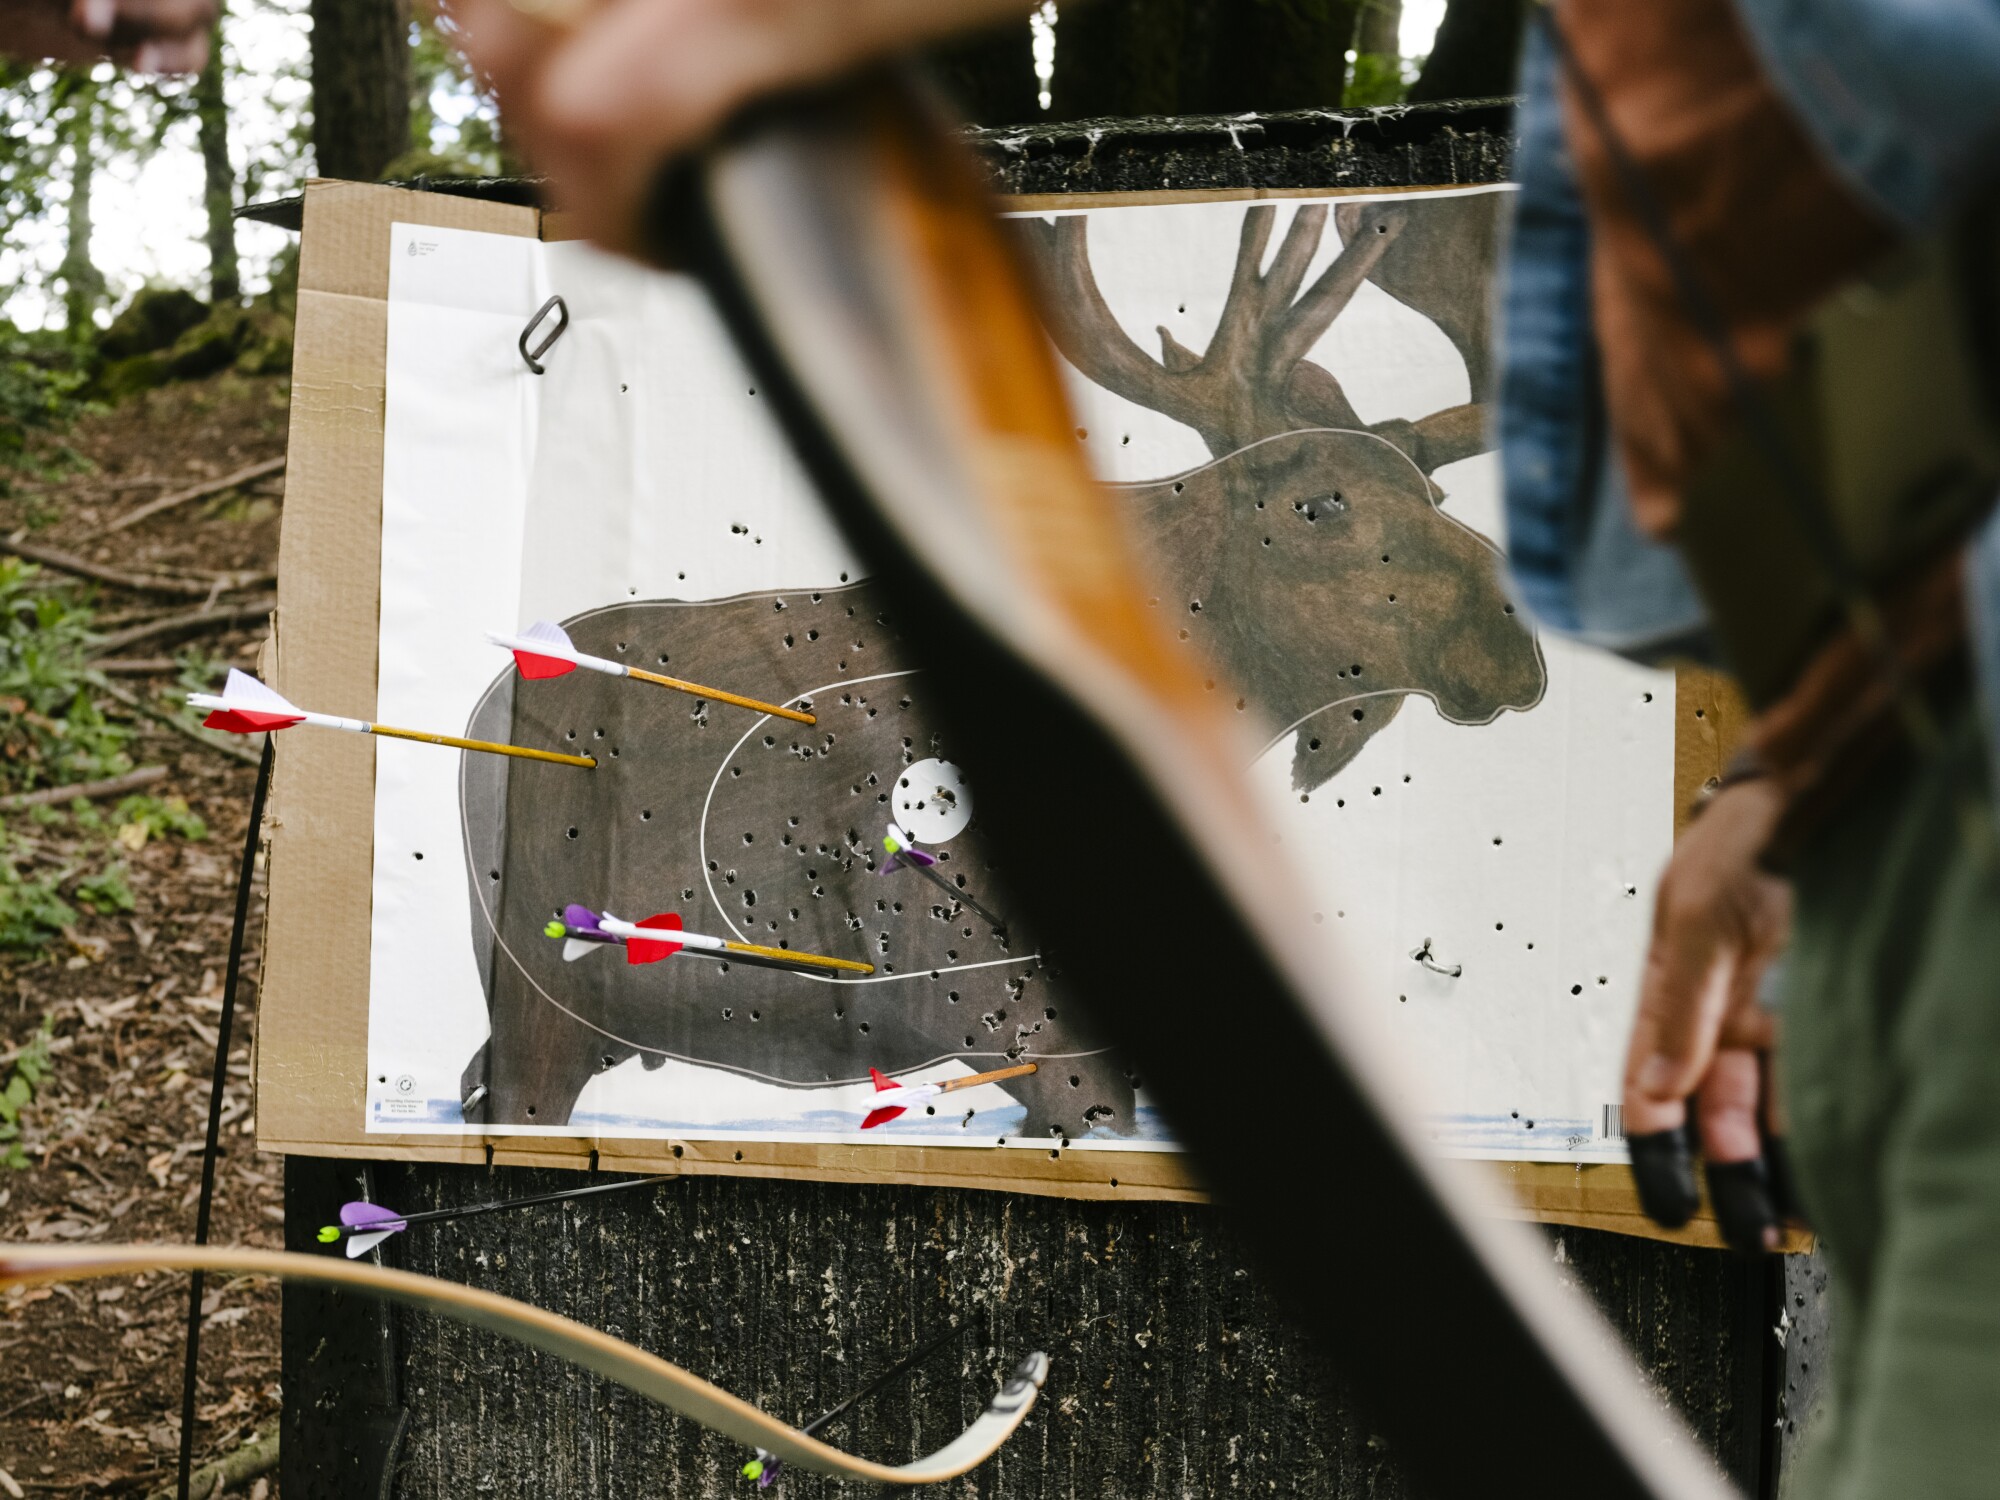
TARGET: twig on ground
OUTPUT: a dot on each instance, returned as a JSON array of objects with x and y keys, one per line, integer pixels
[
  {"x": 257, "y": 1457},
  {"x": 197, "y": 492},
  {"x": 144, "y": 583},
  {"x": 110, "y": 786},
  {"x": 159, "y": 715},
  {"x": 187, "y": 624},
  {"x": 134, "y": 666}
]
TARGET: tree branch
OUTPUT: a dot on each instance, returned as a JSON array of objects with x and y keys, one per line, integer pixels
[{"x": 197, "y": 492}]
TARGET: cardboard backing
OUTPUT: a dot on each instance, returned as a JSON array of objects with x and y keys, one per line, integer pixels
[{"x": 311, "y": 1061}]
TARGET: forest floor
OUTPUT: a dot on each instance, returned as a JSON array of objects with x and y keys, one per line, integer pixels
[{"x": 111, "y": 1132}]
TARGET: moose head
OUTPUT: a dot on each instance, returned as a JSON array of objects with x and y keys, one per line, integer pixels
[{"x": 1310, "y": 559}]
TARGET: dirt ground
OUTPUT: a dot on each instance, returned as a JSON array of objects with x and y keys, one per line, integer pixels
[{"x": 90, "y": 1375}]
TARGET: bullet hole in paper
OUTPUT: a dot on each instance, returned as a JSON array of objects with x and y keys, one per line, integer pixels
[
  {"x": 572, "y": 833},
  {"x": 1645, "y": 697},
  {"x": 1576, "y": 989},
  {"x": 419, "y": 854},
  {"x": 492, "y": 874}
]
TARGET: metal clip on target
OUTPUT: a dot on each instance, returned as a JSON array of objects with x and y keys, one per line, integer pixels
[{"x": 534, "y": 358}]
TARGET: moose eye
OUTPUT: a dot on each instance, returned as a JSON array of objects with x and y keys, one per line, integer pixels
[{"x": 1320, "y": 506}]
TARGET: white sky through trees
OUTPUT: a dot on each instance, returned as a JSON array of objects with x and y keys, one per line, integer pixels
[{"x": 148, "y": 214}]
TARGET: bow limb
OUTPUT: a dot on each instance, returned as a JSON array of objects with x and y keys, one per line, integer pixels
[
  {"x": 853, "y": 256},
  {"x": 652, "y": 1377}
]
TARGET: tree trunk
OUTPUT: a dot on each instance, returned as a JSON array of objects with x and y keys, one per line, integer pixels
[
  {"x": 1160, "y": 57},
  {"x": 990, "y": 76},
  {"x": 83, "y": 284},
  {"x": 361, "y": 86},
  {"x": 1476, "y": 54},
  {"x": 1380, "y": 29},
  {"x": 218, "y": 180}
]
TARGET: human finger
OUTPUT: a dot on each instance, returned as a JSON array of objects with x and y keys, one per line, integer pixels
[{"x": 1683, "y": 997}]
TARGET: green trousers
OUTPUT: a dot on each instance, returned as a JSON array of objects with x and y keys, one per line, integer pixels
[{"x": 1891, "y": 1073}]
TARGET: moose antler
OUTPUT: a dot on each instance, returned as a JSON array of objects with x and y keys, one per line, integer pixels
[{"x": 1253, "y": 380}]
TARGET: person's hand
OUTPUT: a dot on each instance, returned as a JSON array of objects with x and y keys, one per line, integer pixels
[
  {"x": 151, "y": 36},
  {"x": 1718, "y": 921},
  {"x": 600, "y": 97}
]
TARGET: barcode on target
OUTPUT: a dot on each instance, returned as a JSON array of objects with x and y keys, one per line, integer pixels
[{"x": 1611, "y": 1125}]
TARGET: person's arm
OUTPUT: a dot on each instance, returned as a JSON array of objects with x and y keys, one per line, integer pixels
[
  {"x": 1700, "y": 1036},
  {"x": 153, "y": 36},
  {"x": 600, "y": 102}
]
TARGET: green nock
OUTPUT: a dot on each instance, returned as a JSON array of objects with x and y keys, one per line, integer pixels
[
  {"x": 754, "y": 1469},
  {"x": 554, "y": 929},
  {"x": 329, "y": 1234},
  {"x": 892, "y": 846}
]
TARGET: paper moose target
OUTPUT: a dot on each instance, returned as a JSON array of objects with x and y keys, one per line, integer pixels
[{"x": 771, "y": 896}]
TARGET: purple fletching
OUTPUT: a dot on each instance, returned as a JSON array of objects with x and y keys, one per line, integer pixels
[
  {"x": 902, "y": 857},
  {"x": 581, "y": 920},
  {"x": 369, "y": 1216}
]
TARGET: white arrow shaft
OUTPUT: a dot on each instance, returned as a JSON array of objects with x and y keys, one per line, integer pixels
[
  {"x": 324, "y": 721},
  {"x": 559, "y": 652},
  {"x": 631, "y": 930}
]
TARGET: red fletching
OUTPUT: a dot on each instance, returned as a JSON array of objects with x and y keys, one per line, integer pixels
[
  {"x": 642, "y": 951},
  {"x": 882, "y": 1080},
  {"x": 536, "y": 667},
  {"x": 249, "y": 720},
  {"x": 877, "y": 1116}
]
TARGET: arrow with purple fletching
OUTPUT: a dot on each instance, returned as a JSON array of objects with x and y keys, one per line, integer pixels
[
  {"x": 545, "y": 650},
  {"x": 247, "y": 706},
  {"x": 661, "y": 935},
  {"x": 363, "y": 1226},
  {"x": 905, "y": 855}
]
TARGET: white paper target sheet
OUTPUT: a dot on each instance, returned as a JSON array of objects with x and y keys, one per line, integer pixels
[{"x": 1292, "y": 398}]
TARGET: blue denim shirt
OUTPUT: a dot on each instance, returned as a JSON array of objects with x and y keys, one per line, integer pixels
[
  {"x": 1903, "y": 97},
  {"x": 1578, "y": 563}
]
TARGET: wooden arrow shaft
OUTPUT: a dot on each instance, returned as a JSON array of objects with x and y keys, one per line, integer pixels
[
  {"x": 792, "y": 956},
  {"x": 679, "y": 685},
  {"x": 521, "y": 752},
  {"x": 972, "y": 1080}
]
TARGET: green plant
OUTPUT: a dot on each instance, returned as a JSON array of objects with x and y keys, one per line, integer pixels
[
  {"x": 1378, "y": 79},
  {"x": 31, "y": 1065},
  {"x": 107, "y": 891},
  {"x": 30, "y": 910},
  {"x": 156, "y": 817},
  {"x": 51, "y": 732},
  {"x": 40, "y": 377}
]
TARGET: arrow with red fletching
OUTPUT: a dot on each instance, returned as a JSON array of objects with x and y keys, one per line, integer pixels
[
  {"x": 661, "y": 935},
  {"x": 892, "y": 1098},
  {"x": 247, "y": 706},
  {"x": 545, "y": 650}
]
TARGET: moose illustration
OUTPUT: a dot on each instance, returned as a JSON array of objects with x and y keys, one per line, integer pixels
[{"x": 1308, "y": 561}]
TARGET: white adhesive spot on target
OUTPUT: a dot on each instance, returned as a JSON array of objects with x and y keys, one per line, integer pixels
[{"x": 932, "y": 801}]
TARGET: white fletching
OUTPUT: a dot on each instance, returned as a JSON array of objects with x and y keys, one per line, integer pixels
[
  {"x": 241, "y": 690},
  {"x": 546, "y": 638},
  {"x": 359, "y": 1245},
  {"x": 551, "y": 634},
  {"x": 575, "y": 948}
]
